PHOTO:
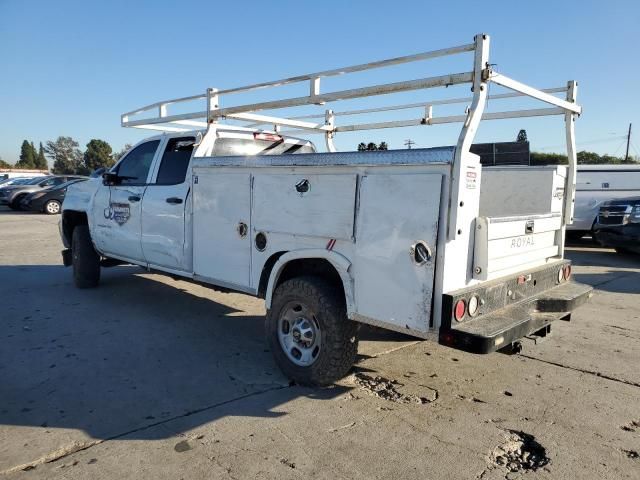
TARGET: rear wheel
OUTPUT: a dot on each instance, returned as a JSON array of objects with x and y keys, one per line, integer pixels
[
  {"x": 312, "y": 340},
  {"x": 86, "y": 261},
  {"x": 52, "y": 207}
]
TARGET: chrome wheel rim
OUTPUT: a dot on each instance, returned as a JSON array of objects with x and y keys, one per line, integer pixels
[
  {"x": 299, "y": 334},
  {"x": 53, "y": 207}
]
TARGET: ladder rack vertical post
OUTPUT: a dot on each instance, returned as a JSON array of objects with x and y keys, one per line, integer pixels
[
  {"x": 569, "y": 119},
  {"x": 467, "y": 134},
  {"x": 329, "y": 120},
  {"x": 212, "y": 104}
]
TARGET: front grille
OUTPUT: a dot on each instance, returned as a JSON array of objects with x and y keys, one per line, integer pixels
[{"x": 614, "y": 215}]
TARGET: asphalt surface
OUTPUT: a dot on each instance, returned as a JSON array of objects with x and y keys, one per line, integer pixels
[{"x": 147, "y": 377}]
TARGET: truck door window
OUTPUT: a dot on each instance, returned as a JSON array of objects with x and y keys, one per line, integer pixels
[
  {"x": 134, "y": 168},
  {"x": 175, "y": 160}
]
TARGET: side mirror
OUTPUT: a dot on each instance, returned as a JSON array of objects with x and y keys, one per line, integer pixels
[
  {"x": 109, "y": 179},
  {"x": 98, "y": 172}
]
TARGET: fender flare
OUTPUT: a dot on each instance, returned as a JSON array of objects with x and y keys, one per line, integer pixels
[{"x": 338, "y": 261}]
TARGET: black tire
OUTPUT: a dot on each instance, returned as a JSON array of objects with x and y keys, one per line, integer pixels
[
  {"x": 50, "y": 207},
  {"x": 624, "y": 251},
  {"x": 574, "y": 235},
  {"x": 86, "y": 261},
  {"x": 339, "y": 335},
  {"x": 15, "y": 203}
]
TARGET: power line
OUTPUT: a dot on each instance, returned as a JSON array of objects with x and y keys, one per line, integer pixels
[{"x": 409, "y": 143}]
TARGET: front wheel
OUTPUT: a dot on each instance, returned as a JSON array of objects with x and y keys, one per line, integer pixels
[
  {"x": 52, "y": 207},
  {"x": 312, "y": 340},
  {"x": 86, "y": 261},
  {"x": 15, "y": 204}
]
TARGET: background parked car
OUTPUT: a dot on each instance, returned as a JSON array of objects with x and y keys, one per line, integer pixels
[
  {"x": 5, "y": 182},
  {"x": 618, "y": 225},
  {"x": 13, "y": 194},
  {"x": 49, "y": 200}
]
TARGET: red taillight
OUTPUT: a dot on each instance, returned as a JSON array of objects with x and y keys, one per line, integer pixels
[
  {"x": 270, "y": 137},
  {"x": 459, "y": 310},
  {"x": 567, "y": 272}
]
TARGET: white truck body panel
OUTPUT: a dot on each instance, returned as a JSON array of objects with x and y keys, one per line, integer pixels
[
  {"x": 222, "y": 200},
  {"x": 396, "y": 211}
]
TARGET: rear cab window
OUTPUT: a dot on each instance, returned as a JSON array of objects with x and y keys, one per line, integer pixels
[
  {"x": 260, "y": 144},
  {"x": 175, "y": 161}
]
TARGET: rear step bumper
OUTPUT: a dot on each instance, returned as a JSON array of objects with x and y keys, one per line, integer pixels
[{"x": 499, "y": 329}]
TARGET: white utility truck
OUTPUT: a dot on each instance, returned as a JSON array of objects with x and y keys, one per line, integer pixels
[
  {"x": 422, "y": 241},
  {"x": 597, "y": 184}
]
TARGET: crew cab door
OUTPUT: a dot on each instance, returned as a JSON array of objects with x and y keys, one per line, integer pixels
[
  {"x": 116, "y": 210},
  {"x": 165, "y": 207}
]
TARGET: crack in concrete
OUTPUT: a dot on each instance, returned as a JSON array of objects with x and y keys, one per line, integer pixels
[
  {"x": 80, "y": 446},
  {"x": 583, "y": 370}
]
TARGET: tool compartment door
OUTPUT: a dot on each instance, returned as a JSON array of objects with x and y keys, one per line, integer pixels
[
  {"x": 396, "y": 211},
  {"x": 221, "y": 251}
]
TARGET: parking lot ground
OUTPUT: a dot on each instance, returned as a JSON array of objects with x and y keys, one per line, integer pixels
[{"x": 149, "y": 377}]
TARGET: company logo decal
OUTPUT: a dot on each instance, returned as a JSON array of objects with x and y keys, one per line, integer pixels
[{"x": 118, "y": 212}]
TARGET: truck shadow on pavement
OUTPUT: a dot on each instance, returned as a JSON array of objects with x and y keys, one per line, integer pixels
[{"x": 135, "y": 352}]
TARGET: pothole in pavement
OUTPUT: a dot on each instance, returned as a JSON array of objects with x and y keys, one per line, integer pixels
[
  {"x": 519, "y": 453},
  {"x": 392, "y": 390}
]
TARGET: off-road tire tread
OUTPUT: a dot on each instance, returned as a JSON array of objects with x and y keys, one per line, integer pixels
[
  {"x": 86, "y": 261},
  {"x": 339, "y": 334}
]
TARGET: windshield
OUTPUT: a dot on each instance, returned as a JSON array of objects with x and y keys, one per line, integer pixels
[
  {"x": 34, "y": 181},
  {"x": 16, "y": 181},
  {"x": 66, "y": 184}
]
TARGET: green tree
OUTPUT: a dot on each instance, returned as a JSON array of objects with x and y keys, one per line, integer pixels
[
  {"x": 522, "y": 136},
  {"x": 66, "y": 156},
  {"x": 383, "y": 146},
  {"x": 362, "y": 147},
  {"x": 41, "y": 160},
  {"x": 584, "y": 158},
  {"x": 4, "y": 164},
  {"x": 97, "y": 155},
  {"x": 371, "y": 147},
  {"x": 27, "y": 156}
]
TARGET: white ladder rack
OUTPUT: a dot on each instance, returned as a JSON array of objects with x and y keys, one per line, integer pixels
[{"x": 157, "y": 116}]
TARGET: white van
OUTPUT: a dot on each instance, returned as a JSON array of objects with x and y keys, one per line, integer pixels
[
  {"x": 595, "y": 184},
  {"x": 21, "y": 173}
]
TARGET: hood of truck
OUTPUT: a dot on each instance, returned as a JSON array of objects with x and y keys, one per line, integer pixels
[{"x": 633, "y": 201}]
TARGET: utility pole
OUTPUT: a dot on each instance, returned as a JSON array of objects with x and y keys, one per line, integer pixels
[
  {"x": 626, "y": 156},
  {"x": 408, "y": 143}
]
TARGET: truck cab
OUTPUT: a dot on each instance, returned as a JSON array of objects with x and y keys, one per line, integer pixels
[{"x": 153, "y": 181}]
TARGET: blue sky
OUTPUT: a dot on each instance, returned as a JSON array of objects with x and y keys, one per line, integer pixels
[{"x": 72, "y": 67}]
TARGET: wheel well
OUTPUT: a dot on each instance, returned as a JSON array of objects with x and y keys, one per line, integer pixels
[
  {"x": 70, "y": 220},
  {"x": 317, "y": 267}
]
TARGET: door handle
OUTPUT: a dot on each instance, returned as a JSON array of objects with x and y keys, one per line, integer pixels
[
  {"x": 174, "y": 200},
  {"x": 134, "y": 198}
]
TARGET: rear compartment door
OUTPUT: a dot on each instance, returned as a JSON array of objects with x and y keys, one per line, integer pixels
[
  {"x": 506, "y": 245},
  {"x": 393, "y": 283}
]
